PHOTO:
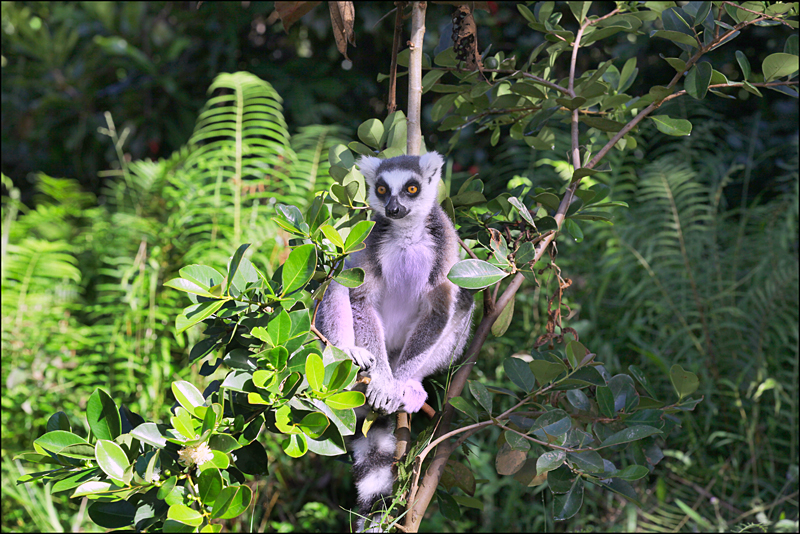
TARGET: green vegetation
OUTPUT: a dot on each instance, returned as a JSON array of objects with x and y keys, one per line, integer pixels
[{"x": 692, "y": 290}]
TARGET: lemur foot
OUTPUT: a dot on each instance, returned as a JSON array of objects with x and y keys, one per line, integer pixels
[
  {"x": 414, "y": 396},
  {"x": 384, "y": 393}
]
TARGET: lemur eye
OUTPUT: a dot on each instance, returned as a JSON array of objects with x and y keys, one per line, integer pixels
[
  {"x": 381, "y": 190},
  {"x": 412, "y": 189}
]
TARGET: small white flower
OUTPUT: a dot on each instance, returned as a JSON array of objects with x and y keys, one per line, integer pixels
[{"x": 195, "y": 455}]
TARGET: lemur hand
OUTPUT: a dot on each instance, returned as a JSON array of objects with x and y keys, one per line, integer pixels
[{"x": 361, "y": 357}]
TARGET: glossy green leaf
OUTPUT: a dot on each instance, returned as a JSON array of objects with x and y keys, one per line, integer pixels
[
  {"x": 185, "y": 515},
  {"x": 481, "y": 394},
  {"x": 233, "y": 265},
  {"x": 475, "y": 274},
  {"x": 676, "y": 37},
  {"x": 333, "y": 235},
  {"x": 371, "y": 131},
  {"x": 670, "y": 126},
  {"x": 346, "y": 400},
  {"x": 698, "y": 79},
  {"x": 632, "y": 472},
  {"x": 519, "y": 372},
  {"x": 102, "y": 415},
  {"x": 744, "y": 64},
  {"x": 315, "y": 372},
  {"x": 295, "y": 446},
  {"x": 58, "y": 440},
  {"x": 196, "y": 313},
  {"x": 587, "y": 461},
  {"x": 627, "y": 435},
  {"x": 351, "y": 277},
  {"x": 112, "y": 514},
  {"x": 550, "y": 461},
  {"x": 779, "y": 65},
  {"x": 187, "y": 395},
  {"x": 357, "y": 235},
  {"x": 605, "y": 400},
  {"x": 111, "y": 459},
  {"x": 579, "y": 400},
  {"x": 684, "y": 382},
  {"x": 566, "y": 505},
  {"x": 298, "y": 268},
  {"x": 462, "y": 405},
  {"x": 181, "y": 284}
]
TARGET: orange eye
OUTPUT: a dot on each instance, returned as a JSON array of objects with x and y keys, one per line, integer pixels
[
  {"x": 412, "y": 189},
  {"x": 381, "y": 190}
]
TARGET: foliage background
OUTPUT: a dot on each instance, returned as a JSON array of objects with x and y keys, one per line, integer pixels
[{"x": 93, "y": 225}]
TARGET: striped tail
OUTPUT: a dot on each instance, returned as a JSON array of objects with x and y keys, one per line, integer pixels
[{"x": 373, "y": 456}]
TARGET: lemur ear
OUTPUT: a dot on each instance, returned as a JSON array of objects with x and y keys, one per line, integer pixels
[
  {"x": 368, "y": 166},
  {"x": 431, "y": 166}
]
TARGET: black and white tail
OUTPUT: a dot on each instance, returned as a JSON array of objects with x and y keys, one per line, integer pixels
[{"x": 373, "y": 456}]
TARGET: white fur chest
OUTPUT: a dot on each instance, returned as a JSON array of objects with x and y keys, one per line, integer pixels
[{"x": 406, "y": 266}]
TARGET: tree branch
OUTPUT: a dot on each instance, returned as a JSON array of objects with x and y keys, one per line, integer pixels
[{"x": 414, "y": 140}]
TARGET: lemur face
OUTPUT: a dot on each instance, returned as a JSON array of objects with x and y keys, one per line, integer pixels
[{"x": 404, "y": 186}]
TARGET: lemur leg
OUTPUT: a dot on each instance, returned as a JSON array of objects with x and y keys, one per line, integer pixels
[
  {"x": 414, "y": 365},
  {"x": 369, "y": 334},
  {"x": 335, "y": 321}
]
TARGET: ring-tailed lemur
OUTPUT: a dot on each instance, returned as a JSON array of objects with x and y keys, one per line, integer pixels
[{"x": 407, "y": 320}]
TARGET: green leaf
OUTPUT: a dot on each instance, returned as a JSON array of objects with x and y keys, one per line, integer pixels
[
  {"x": 670, "y": 126},
  {"x": 550, "y": 461},
  {"x": 233, "y": 265},
  {"x": 58, "y": 421},
  {"x": 185, "y": 515},
  {"x": 346, "y": 400},
  {"x": 298, "y": 268},
  {"x": 181, "y": 284},
  {"x": 102, "y": 415},
  {"x": 546, "y": 371},
  {"x": 676, "y": 37},
  {"x": 627, "y": 435},
  {"x": 187, "y": 395},
  {"x": 520, "y": 373},
  {"x": 371, "y": 131},
  {"x": 475, "y": 274},
  {"x": 290, "y": 218},
  {"x": 333, "y": 235},
  {"x": 357, "y": 235},
  {"x": 632, "y": 472},
  {"x": 504, "y": 319},
  {"x": 112, "y": 514},
  {"x": 430, "y": 79},
  {"x": 351, "y": 277},
  {"x": 111, "y": 459},
  {"x": 522, "y": 209},
  {"x": 572, "y": 228},
  {"x": 744, "y": 64},
  {"x": 150, "y": 434},
  {"x": 231, "y": 502},
  {"x": 588, "y": 461},
  {"x": 638, "y": 374},
  {"x": 567, "y": 505},
  {"x": 696, "y": 83},
  {"x": 57, "y": 440},
  {"x": 315, "y": 372},
  {"x": 579, "y": 400},
  {"x": 295, "y": 446},
  {"x": 461, "y": 404},
  {"x": 605, "y": 400},
  {"x": 684, "y": 382},
  {"x": 481, "y": 394},
  {"x": 314, "y": 424},
  {"x": 779, "y": 65},
  {"x": 196, "y": 313},
  {"x": 579, "y": 9},
  {"x": 209, "y": 485}
]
